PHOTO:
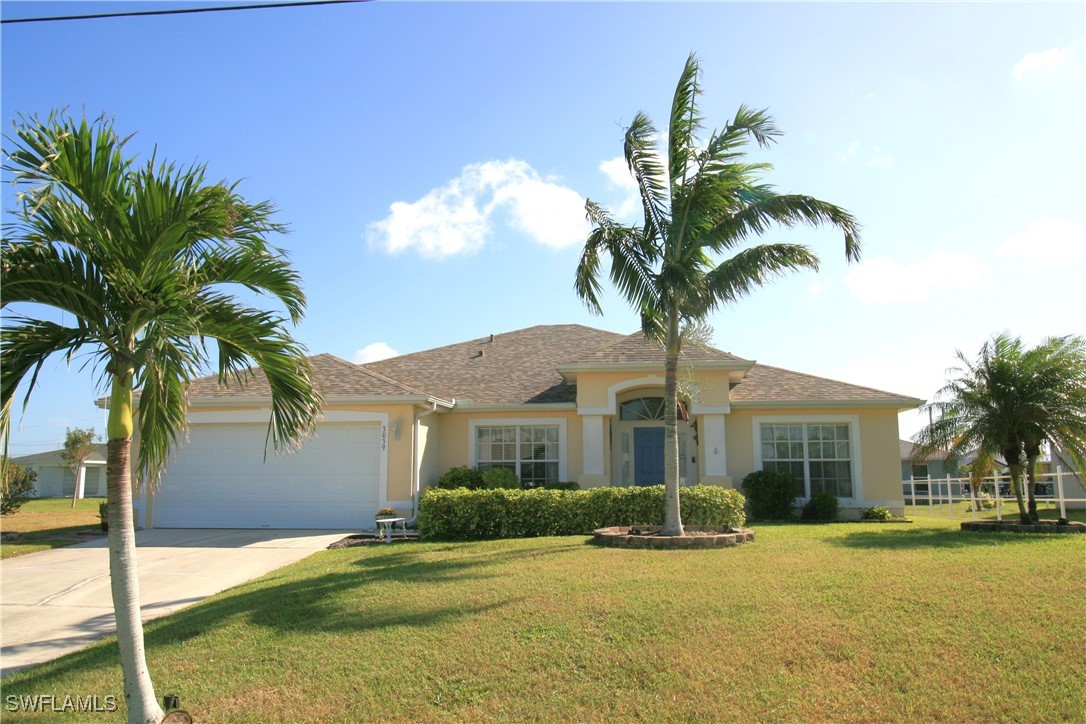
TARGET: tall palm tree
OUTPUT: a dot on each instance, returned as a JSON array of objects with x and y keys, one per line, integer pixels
[
  {"x": 1054, "y": 404},
  {"x": 983, "y": 409},
  {"x": 139, "y": 263},
  {"x": 699, "y": 203}
]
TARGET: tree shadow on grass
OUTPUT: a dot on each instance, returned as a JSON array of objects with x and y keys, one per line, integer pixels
[
  {"x": 350, "y": 600},
  {"x": 914, "y": 538}
]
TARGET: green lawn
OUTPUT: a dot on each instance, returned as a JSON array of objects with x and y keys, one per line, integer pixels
[
  {"x": 848, "y": 621},
  {"x": 49, "y": 523}
]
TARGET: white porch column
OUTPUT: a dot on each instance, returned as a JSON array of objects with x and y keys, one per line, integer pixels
[
  {"x": 592, "y": 447},
  {"x": 80, "y": 481},
  {"x": 716, "y": 463}
]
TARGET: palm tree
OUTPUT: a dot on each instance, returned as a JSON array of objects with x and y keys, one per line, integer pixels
[
  {"x": 982, "y": 408},
  {"x": 138, "y": 263},
  {"x": 1054, "y": 404},
  {"x": 699, "y": 203},
  {"x": 1009, "y": 402}
]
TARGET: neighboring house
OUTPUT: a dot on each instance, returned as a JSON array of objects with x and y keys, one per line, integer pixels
[
  {"x": 916, "y": 474},
  {"x": 935, "y": 465},
  {"x": 55, "y": 478},
  {"x": 551, "y": 403}
]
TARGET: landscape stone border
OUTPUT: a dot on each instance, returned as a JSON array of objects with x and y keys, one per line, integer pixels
[
  {"x": 1045, "y": 526},
  {"x": 697, "y": 536}
]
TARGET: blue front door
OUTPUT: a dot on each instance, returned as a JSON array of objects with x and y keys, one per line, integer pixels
[{"x": 649, "y": 455}]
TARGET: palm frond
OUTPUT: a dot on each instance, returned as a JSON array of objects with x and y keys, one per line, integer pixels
[
  {"x": 631, "y": 258},
  {"x": 645, "y": 165},
  {"x": 751, "y": 268},
  {"x": 25, "y": 345},
  {"x": 766, "y": 209},
  {"x": 685, "y": 124}
]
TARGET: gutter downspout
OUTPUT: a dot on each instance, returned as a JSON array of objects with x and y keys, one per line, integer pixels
[{"x": 417, "y": 416}]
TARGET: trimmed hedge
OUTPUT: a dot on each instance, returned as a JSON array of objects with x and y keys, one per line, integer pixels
[
  {"x": 463, "y": 514},
  {"x": 823, "y": 506},
  {"x": 771, "y": 494}
]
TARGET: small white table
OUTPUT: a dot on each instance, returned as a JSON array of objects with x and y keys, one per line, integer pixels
[{"x": 387, "y": 524}]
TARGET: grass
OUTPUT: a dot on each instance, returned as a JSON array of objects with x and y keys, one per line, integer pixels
[
  {"x": 851, "y": 622},
  {"x": 49, "y": 523}
]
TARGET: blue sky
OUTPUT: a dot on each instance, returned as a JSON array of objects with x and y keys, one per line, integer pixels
[{"x": 432, "y": 159}]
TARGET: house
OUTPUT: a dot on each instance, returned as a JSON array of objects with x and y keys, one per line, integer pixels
[
  {"x": 917, "y": 475},
  {"x": 935, "y": 465},
  {"x": 55, "y": 478},
  {"x": 551, "y": 403}
]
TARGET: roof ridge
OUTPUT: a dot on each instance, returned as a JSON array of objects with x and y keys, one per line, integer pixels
[
  {"x": 831, "y": 379},
  {"x": 485, "y": 339}
]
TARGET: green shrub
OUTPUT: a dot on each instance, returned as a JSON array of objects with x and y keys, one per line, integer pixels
[
  {"x": 876, "y": 512},
  {"x": 770, "y": 494},
  {"x": 500, "y": 478},
  {"x": 463, "y": 514},
  {"x": 16, "y": 487},
  {"x": 461, "y": 477},
  {"x": 103, "y": 516},
  {"x": 823, "y": 506},
  {"x": 559, "y": 486}
]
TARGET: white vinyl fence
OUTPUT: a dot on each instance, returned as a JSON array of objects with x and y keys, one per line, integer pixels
[{"x": 938, "y": 496}]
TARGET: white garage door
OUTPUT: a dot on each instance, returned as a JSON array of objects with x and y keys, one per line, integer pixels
[{"x": 221, "y": 480}]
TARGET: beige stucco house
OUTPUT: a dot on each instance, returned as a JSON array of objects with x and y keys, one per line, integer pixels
[{"x": 552, "y": 403}]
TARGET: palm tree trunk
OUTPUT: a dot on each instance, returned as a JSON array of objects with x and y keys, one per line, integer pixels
[
  {"x": 1031, "y": 484},
  {"x": 1016, "y": 483},
  {"x": 672, "y": 519},
  {"x": 139, "y": 692}
]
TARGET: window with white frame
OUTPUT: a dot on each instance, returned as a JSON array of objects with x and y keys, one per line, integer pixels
[
  {"x": 530, "y": 451},
  {"x": 817, "y": 455}
]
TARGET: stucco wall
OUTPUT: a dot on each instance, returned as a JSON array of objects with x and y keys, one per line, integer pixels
[
  {"x": 594, "y": 388},
  {"x": 456, "y": 442},
  {"x": 878, "y": 449},
  {"x": 429, "y": 450}
]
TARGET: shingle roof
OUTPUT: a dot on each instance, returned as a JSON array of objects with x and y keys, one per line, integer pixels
[
  {"x": 907, "y": 448},
  {"x": 511, "y": 368},
  {"x": 519, "y": 367},
  {"x": 57, "y": 456},
  {"x": 773, "y": 384},
  {"x": 334, "y": 376},
  {"x": 636, "y": 347}
]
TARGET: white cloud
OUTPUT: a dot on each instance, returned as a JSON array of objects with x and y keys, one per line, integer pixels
[
  {"x": 373, "y": 353},
  {"x": 618, "y": 174},
  {"x": 881, "y": 159},
  {"x": 871, "y": 155},
  {"x": 882, "y": 280},
  {"x": 1042, "y": 63},
  {"x": 850, "y": 152},
  {"x": 459, "y": 217},
  {"x": 1048, "y": 239},
  {"x": 815, "y": 288}
]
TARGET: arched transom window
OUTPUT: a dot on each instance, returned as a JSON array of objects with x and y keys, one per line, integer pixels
[{"x": 642, "y": 408}]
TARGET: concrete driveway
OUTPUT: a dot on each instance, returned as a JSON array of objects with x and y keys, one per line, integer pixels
[{"x": 58, "y": 601}]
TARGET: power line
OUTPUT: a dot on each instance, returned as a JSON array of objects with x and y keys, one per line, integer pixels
[{"x": 179, "y": 11}]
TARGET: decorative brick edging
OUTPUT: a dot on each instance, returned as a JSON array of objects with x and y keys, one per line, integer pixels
[
  {"x": 995, "y": 526},
  {"x": 698, "y": 536}
]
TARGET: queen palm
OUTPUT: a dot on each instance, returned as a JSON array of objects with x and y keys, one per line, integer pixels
[
  {"x": 139, "y": 263},
  {"x": 700, "y": 203},
  {"x": 983, "y": 409},
  {"x": 1053, "y": 404}
]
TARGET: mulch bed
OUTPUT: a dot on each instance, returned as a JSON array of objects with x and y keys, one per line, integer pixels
[
  {"x": 1044, "y": 526},
  {"x": 365, "y": 539}
]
